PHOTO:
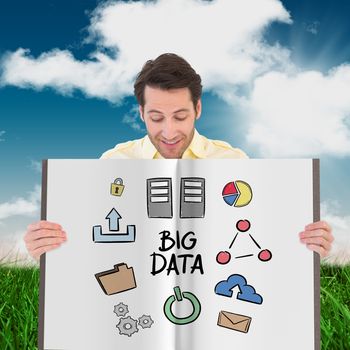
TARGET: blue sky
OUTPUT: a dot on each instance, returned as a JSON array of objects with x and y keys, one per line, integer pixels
[{"x": 55, "y": 118}]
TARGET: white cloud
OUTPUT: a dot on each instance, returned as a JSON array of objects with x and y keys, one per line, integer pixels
[
  {"x": 14, "y": 251},
  {"x": 2, "y": 132},
  {"x": 222, "y": 39},
  {"x": 132, "y": 118},
  {"x": 305, "y": 114},
  {"x": 36, "y": 165},
  {"x": 312, "y": 27},
  {"x": 28, "y": 206},
  {"x": 12, "y": 246},
  {"x": 340, "y": 253}
]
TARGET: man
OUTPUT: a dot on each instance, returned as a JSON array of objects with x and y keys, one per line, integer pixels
[{"x": 169, "y": 91}]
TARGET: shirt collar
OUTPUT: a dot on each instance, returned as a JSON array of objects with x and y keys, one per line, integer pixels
[
  {"x": 148, "y": 149},
  {"x": 196, "y": 147}
]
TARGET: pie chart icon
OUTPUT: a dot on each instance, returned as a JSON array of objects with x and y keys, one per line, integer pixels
[{"x": 237, "y": 193}]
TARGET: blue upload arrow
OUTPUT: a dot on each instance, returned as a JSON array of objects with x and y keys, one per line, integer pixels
[{"x": 113, "y": 217}]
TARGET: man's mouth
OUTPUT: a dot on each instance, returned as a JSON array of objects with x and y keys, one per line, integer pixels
[{"x": 170, "y": 143}]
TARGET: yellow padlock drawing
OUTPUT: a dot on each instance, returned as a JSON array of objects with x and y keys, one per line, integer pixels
[{"x": 117, "y": 187}]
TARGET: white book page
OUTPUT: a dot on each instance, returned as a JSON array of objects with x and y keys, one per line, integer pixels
[{"x": 258, "y": 292}]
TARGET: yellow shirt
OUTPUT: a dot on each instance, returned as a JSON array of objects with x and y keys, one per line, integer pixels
[{"x": 199, "y": 148}]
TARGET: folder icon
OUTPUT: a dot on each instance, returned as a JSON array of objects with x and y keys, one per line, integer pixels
[
  {"x": 233, "y": 321},
  {"x": 117, "y": 280}
]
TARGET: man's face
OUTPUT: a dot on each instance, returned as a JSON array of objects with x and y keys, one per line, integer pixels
[{"x": 169, "y": 116}]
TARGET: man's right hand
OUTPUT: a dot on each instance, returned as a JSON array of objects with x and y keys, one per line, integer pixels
[{"x": 43, "y": 236}]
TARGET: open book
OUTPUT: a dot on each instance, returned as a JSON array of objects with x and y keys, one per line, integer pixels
[{"x": 180, "y": 255}]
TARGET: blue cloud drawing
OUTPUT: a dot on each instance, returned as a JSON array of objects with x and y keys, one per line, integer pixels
[
  {"x": 248, "y": 294},
  {"x": 225, "y": 287},
  {"x": 246, "y": 291}
]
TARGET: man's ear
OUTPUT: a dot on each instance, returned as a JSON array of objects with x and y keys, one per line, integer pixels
[
  {"x": 141, "y": 113},
  {"x": 198, "y": 109}
]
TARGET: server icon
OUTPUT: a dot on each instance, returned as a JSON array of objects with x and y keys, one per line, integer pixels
[
  {"x": 159, "y": 197},
  {"x": 192, "y": 197}
]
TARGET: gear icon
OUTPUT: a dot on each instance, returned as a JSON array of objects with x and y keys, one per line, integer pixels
[
  {"x": 145, "y": 321},
  {"x": 127, "y": 326},
  {"x": 121, "y": 309}
]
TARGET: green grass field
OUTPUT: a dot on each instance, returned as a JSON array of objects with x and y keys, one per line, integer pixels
[{"x": 19, "y": 291}]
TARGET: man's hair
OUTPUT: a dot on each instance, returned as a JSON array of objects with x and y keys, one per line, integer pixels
[{"x": 168, "y": 71}]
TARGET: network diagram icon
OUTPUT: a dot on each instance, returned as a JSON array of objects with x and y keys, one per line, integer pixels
[{"x": 243, "y": 226}]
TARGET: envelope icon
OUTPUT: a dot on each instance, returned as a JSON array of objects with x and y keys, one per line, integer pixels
[{"x": 233, "y": 321}]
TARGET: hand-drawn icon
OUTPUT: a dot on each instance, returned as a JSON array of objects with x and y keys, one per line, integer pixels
[
  {"x": 237, "y": 193},
  {"x": 127, "y": 326},
  {"x": 121, "y": 309},
  {"x": 159, "y": 198},
  {"x": 117, "y": 187},
  {"x": 233, "y": 321},
  {"x": 246, "y": 291},
  {"x": 117, "y": 280},
  {"x": 145, "y": 321},
  {"x": 265, "y": 255},
  {"x": 179, "y": 296},
  {"x": 223, "y": 257},
  {"x": 192, "y": 197},
  {"x": 243, "y": 226},
  {"x": 113, "y": 216}
]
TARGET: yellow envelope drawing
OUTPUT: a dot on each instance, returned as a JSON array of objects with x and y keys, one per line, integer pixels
[{"x": 233, "y": 321}]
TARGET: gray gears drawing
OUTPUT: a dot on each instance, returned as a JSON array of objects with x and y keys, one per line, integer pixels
[
  {"x": 121, "y": 309},
  {"x": 127, "y": 326},
  {"x": 145, "y": 321}
]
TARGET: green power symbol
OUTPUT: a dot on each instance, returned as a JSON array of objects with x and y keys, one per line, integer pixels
[{"x": 179, "y": 296}]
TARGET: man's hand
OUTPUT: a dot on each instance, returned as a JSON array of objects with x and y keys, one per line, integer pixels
[
  {"x": 43, "y": 236},
  {"x": 318, "y": 237}
]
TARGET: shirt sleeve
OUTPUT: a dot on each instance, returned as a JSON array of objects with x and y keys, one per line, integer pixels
[
  {"x": 222, "y": 149},
  {"x": 120, "y": 151}
]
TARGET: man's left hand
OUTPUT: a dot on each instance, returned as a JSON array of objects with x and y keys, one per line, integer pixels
[{"x": 318, "y": 237}]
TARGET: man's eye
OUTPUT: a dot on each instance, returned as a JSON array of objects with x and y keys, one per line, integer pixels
[
  {"x": 180, "y": 118},
  {"x": 156, "y": 120}
]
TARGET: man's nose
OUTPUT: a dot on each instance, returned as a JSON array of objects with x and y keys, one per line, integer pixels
[{"x": 169, "y": 129}]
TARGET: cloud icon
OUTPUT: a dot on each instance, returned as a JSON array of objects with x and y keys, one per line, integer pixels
[{"x": 246, "y": 291}]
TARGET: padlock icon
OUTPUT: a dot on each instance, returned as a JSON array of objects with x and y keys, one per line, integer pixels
[{"x": 117, "y": 187}]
